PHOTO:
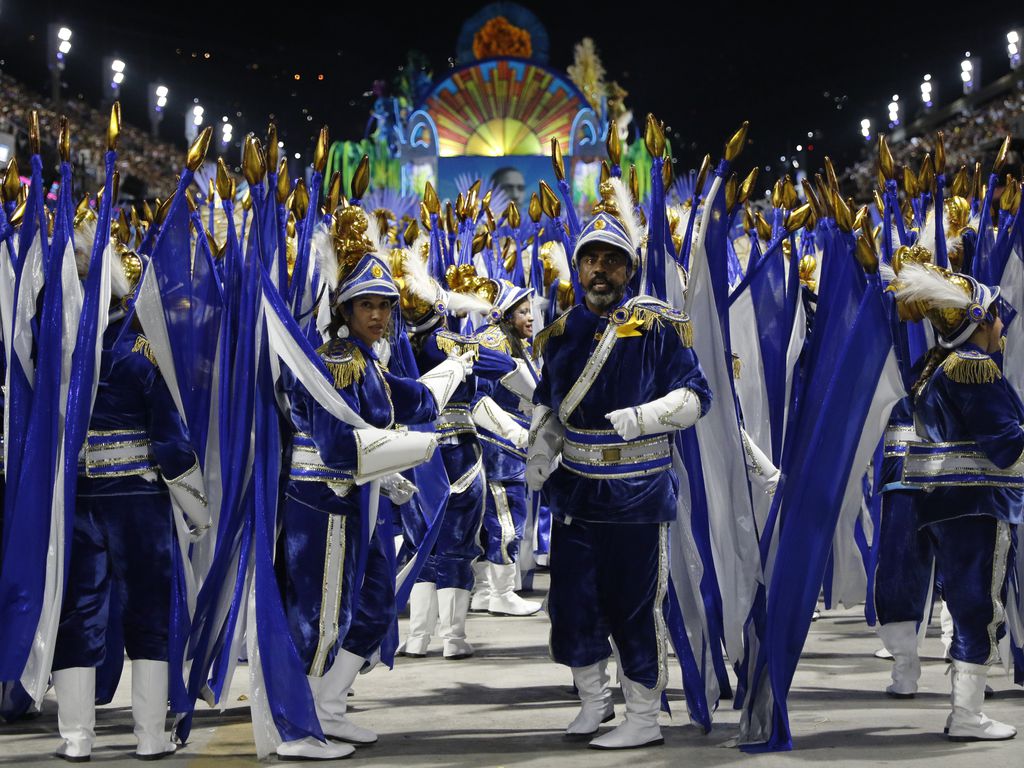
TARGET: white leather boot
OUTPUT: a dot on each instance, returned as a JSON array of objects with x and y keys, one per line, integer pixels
[
  {"x": 149, "y": 709},
  {"x": 76, "y": 712},
  {"x": 452, "y": 606},
  {"x": 481, "y": 587},
  {"x": 331, "y": 697},
  {"x": 640, "y": 728},
  {"x": 967, "y": 722},
  {"x": 504, "y": 601},
  {"x": 946, "y": 622},
  {"x": 422, "y": 619},
  {"x": 900, "y": 639},
  {"x": 595, "y": 700},
  {"x": 312, "y": 749}
]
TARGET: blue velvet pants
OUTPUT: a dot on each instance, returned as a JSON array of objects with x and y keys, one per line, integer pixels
[
  {"x": 504, "y": 520},
  {"x": 904, "y": 567},
  {"x": 610, "y": 579},
  {"x": 972, "y": 553},
  {"x": 122, "y": 548},
  {"x": 316, "y": 571}
]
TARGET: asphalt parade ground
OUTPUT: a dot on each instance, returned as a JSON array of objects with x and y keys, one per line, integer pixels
[{"x": 507, "y": 706}]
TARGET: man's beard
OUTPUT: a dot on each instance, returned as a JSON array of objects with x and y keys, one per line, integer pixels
[{"x": 603, "y": 301}]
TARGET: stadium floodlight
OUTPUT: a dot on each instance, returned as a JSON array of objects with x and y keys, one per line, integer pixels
[
  {"x": 865, "y": 129},
  {"x": 157, "y": 102},
  {"x": 193, "y": 119},
  {"x": 894, "y": 111},
  {"x": 58, "y": 49},
  {"x": 226, "y": 132},
  {"x": 1013, "y": 48},
  {"x": 970, "y": 73},
  {"x": 927, "y": 92},
  {"x": 114, "y": 74}
]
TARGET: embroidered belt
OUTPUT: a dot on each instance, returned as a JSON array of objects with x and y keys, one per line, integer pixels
[
  {"x": 309, "y": 466},
  {"x": 506, "y": 445},
  {"x": 116, "y": 453},
  {"x": 897, "y": 437},
  {"x": 931, "y": 465},
  {"x": 455, "y": 419},
  {"x": 602, "y": 454}
]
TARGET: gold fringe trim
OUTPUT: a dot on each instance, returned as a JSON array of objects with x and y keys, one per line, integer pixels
[
  {"x": 143, "y": 347},
  {"x": 453, "y": 344},
  {"x": 971, "y": 370},
  {"x": 557, "y": 328},
  {"x": 345, "y": 362},
  {"x": 494, "y": 338},
  {"x": 649, "y": 318}
]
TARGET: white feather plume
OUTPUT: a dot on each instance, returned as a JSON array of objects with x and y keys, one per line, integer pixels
[
  {"x": 376, "y": 236},
  {"x": 325, "y": 255},
  {"x": 627, "y": 211},
  {"x": 85, "y": 236},
  {"x": 462, "y": 304},
  {"x": 918, "y": 283},
  {"x": 119, "y": 284},
  {"x": 559, "y": 261},
  {"x": 417, "y": 278}
]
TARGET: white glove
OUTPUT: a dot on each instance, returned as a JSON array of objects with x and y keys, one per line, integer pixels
[
  {"x": 443, "y": 379},
  {"x": 679, "y": 409},
  {"x": 546, "y": 436},
  {"x": 398, "y": 488},
  {"x": 488, "y": 415}
]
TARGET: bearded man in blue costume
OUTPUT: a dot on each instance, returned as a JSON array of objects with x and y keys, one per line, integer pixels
[
  {"x": 137, "y": 461},
  {"x": 618, "y": 378}
]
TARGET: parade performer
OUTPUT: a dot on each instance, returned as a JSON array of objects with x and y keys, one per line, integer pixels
[
  {"x": 618, "y": 376},
  {"x": 323, "y": 529},
  {"x": 499, "y": 413},
  {"x": 970, "y": 466},
  {"x": 443, "y": 588},
  {"x": 137, "y": 469}
]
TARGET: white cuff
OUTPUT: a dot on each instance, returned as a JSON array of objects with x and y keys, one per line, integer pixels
[
  {"x": 758, "y": 463},
  {"x": 679, "y": 409},
  {"x": 188, "y": 493},
  {"x": 520, "y": 381},
  {"x": 380, "y": 452},
  {"x": 546, "y": 434},
  {"x": 443, "y": 380},
  {"x": 488, "y": 415}
]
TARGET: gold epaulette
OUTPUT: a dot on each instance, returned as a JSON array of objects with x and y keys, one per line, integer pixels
[
  {"x": 494, "y": 338},
  {"x": 344, "y": 360},
  {"x": 456, "y": 344},
  {"x": 644, "y": 314},
  {"x": 966, "y": 366},
  {"x": 143, "y": 347},
  {"x": 556, "y": 328}
]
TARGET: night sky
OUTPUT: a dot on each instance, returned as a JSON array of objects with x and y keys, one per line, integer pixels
[{"x": 703, "y": 70}]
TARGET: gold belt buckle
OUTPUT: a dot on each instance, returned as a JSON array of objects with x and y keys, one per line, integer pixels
[{"x": 611, "y": 454}]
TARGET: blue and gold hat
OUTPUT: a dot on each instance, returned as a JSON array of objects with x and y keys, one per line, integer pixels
[
  {"x": 370, "y": 276},
  {"x": 615, "y": 223},
  {"x": 509, "y": 295}
]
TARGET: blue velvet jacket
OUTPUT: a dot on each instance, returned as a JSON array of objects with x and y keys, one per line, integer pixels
[
  {"x": 133, "y": 396},
  {"x": 644, "y": 364},
  {"x": 502, "y": 462},
  {"x": 460, "y": 452},
  {"x": 382, "y": 400},
  {"x": 989, "y": 414}
]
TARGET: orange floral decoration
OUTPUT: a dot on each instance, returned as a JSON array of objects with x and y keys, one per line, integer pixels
[{"x": 499, "y": 37}]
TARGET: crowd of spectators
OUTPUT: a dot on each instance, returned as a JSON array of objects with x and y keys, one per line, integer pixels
[
  {"x": 968, "y": 137},
  {"x": 148, "y": 166}
]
